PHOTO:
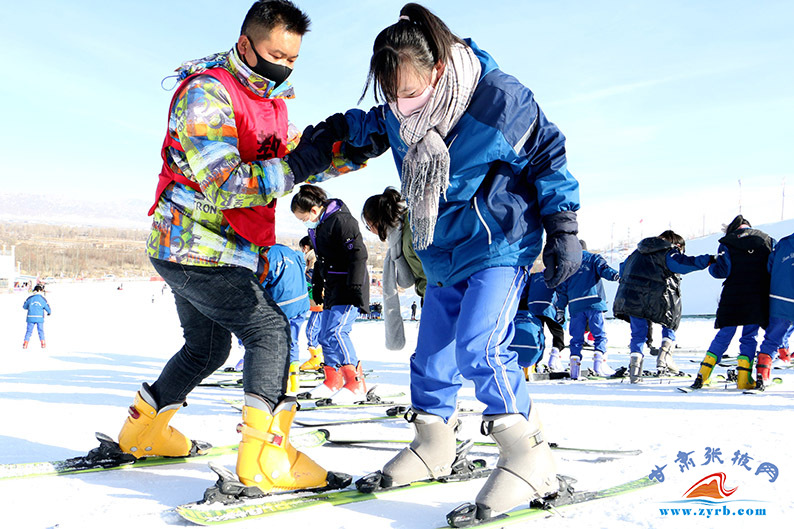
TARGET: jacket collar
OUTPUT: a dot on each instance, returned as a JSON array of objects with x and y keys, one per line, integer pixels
[{"x": 231, "y": 61}]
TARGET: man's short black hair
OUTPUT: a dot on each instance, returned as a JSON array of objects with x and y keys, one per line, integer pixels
[{"x": 264, "y": 15}]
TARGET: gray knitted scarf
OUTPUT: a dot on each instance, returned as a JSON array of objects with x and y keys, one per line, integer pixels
[{"x": 425, "y": 168}]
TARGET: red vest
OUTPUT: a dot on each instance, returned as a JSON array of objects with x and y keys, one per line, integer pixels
[{"x": 261, "y": 135}]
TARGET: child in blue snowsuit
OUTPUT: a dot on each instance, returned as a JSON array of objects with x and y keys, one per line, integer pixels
[
  {"x": 650, "y": 291},
  {"x": 781, "y": 307},
  {"x": 584, "y": 295},
  {"x": 743, "y": 262},
  {"x": 542, "y": 303},
  {"x": 534, "y": 308},
  {"x": 36, "y": 305},
  {"x": 282, "y": 271}
]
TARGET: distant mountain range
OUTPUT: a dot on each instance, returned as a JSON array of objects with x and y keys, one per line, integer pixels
[{"x": 131, "y": 214}]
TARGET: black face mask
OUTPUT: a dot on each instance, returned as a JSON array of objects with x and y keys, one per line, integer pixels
[{"x": 277, "y": 73}]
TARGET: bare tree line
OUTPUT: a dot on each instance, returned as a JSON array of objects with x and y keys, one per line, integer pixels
[{"x": 88, "y": 252}]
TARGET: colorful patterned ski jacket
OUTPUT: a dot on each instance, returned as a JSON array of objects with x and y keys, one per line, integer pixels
[{"x": 189, "y": 226}]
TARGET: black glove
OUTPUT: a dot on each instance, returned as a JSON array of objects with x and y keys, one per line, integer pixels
[
  {"x": 378, "y": 144},
  {"x": 712, "y": 259},
  {"x": 333, "y": 129},
  {"x": 562, "y": 255},
  {"x": 309, "y": 158},
  {"x": 357, "y": 296}
]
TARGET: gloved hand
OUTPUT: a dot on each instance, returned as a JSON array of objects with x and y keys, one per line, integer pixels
[
  {"x": 562, "y": 255},
  {"x": 378, "y": 144},
  {"x": 357, "y": 296},
  {"x": 331, "y": 130},
  {"x": 309, "y": 158},
  {"x": 712, "y": 259},
  {"x": 559, "y": 317}
]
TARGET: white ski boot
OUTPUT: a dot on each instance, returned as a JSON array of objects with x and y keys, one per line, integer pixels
[
  {"x": 525, "y": 470},
  {"x": 664, "y": 362},
  {"x": 635, "y": 368},
  {"x": 600, "y": 365},
  {"x": 429, "y": 456},
  {"x": 555, "y": 361},
  {"x": 576, "y": 366}
]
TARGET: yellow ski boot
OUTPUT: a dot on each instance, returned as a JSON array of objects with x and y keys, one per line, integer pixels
[
  {"x": 706, "y": 367},
  {"x": 744, "y": 378},
  {"x": 316, "y": 361},
  {"x": 266, "y": 459},
  {"x": 146, "y": 431},
  {"x": 293, "y": 383}
]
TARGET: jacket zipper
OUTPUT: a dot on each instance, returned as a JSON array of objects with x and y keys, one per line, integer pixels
[{"x": 479, "y": 215}]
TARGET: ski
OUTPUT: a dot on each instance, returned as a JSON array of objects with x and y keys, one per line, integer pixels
[
  {"x": 770, "y": 386},
  {"x": 237, "y": 404},
  {"x": 238, "y": 382},
  {"x": 722, "y": 385},
  {"x": 396, "y": 412},
  {"x": 554, "y": 446},
  {"x": 464, "y": 516},
  {"x": 82, "y": 464},
  {"x": 217, "y": 513}
]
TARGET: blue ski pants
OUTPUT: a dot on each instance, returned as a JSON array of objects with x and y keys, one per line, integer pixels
[
  {"x": 639, "y": 334},
  {"x": 529, "y": 341},
  {"x": 313, "y": 327},
  {"x": 338, "y": 349},
  {"x": 464, "y": 332},
  {"x": 747, "y": 343},
  {"x": 295, "y": 331},
  {"x": 39, "y": 327},
  {"x": 577, "y": 326},
  {"x": 774, "y": 335}
]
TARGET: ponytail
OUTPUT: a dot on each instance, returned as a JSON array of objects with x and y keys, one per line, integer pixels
[
  {"x": 418, "y": 38},
  {"x": 384, "y": 212}
]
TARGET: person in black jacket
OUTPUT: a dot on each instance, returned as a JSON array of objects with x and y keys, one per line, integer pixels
[
  {"x": 744, "y": 301},
  {"x": 650, "y": 291},
  {"x": 341, "y": 283}
]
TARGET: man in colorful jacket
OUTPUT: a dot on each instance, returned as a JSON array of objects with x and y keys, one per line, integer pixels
[{"x": 226, "y": 157}]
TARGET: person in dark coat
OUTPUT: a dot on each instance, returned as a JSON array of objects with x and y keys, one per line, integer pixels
[
  {"x": 341, "y": 283},
  {"x": 650, "y": 292},
  {"x": 742, "y": 262}
]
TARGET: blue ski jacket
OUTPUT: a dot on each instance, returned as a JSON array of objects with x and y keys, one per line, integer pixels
[
  {"x": 540, "y": 299},
  {"x": 781, "y": 289},
  {"x": 285, "y": 280},
  {"x": 36, "y": 306},
  {"x": 508, "y": 170},
  {"x": 583, "y": 290}
]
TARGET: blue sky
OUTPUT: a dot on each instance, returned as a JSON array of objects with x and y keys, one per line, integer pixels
[{"x": 666, "y": 105}]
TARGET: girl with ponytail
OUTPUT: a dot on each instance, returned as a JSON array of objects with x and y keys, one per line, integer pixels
[
  {"x": 386, "y": 216},
  {"x": 483, "y": 174}
]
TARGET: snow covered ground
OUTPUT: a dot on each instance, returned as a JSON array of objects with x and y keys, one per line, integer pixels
[{"x": 102, "y": 343}]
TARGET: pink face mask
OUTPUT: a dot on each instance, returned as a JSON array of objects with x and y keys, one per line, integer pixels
[{"x": 411, "y": 105}]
